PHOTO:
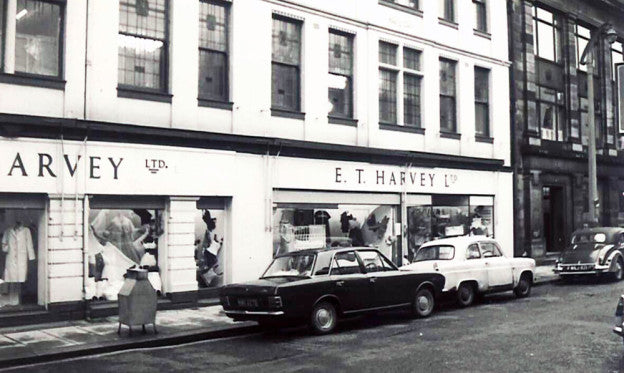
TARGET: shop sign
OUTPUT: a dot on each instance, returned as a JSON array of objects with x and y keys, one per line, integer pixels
[{"x": 392, "y": 177}]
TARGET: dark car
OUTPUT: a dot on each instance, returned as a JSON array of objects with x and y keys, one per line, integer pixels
[
  {"x": 594, "y": 251},
  {"x": 320, "y": 286}
]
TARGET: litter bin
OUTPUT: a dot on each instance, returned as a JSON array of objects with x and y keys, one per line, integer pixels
[{"x": 137, "y": 301}]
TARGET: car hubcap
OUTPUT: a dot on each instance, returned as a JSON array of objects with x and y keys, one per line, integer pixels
[
  {"x": 465, "y": 294},
  {"x": 618, "y": 270},
  {"x": 423, "y": 303},
  {"x": 324, "y": 318}
]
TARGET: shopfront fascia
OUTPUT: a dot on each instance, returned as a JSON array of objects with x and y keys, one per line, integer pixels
[
  {"x": 108, "y": 206},
  {"x": 320, "y": 203}
]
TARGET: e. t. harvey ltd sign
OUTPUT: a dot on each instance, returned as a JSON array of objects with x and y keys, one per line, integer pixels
[
  {"x": 46, "y": 165},
  {"x": 416, "y": 178}
]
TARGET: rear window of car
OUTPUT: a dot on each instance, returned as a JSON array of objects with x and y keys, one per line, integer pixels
[
  {"x": 436, "y": 252},
  {"x": 589, "y": 237}
]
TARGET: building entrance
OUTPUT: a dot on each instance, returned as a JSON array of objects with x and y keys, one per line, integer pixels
[{"x": 553, "y": 208}]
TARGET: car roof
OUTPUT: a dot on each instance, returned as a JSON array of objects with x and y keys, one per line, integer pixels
[
  {"x": 338, "y": 249},
  {"x": 610, "y": 232},
  {"x": 458, "y": 241}
]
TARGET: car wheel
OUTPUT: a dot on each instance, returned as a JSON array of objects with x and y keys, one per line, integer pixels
[
  {"x": 423, "y": 304},
  {"x": 324, "y": 318},
  {"x": 619, "y": 270},
  {"x": 465, "y": 294},
  {"x": 523, "y": 289}
]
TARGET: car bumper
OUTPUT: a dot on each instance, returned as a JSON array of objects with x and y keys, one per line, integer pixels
[{"x": 575, "y": 270}]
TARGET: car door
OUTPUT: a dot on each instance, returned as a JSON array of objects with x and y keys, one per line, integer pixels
[
  {"x": 474, "y": 267},
  {"x": 385, "y": 285},
  {"x": 498, "y": 267},
  {"x": 350, "y": 284}
]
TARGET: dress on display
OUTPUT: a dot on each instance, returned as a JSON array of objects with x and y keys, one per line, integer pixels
[{"x": 18, "y": 246}]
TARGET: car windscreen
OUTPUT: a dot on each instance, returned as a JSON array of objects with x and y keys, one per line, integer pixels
[
  {"x": 589, "y": 238},
  {"x": 291, "y": 265},
  {"x": 436, "y": 252}
]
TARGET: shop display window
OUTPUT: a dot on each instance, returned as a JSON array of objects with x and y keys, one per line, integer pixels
[
  {"x": 210, "y": 247},
  {"x": 120, "y": 239},
  {"x": 300, "y": 227},
  {"x": 19, "y": 257}
]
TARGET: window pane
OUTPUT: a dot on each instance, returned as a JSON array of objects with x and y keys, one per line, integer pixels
[
  {"x": 387, "y": 53},
  {"x": 482, "y": 84},
  {"x": 37, "y": 35},
  {"x": 480, "y": 15},
  {"x": 213, "y": 26},
  {"x": 213, "y": 75},
  {"x": 447, "y": 114},
  {"x": 286, "y": 41},
  {"x": 418, "y": 228},
  {"x": 411, "y": 59},
  {"x": 340, "y": 102},
  {"x": 546, "y": 41},
  {"x": 140, "y": 62},
  {"x": 447, "y": 77},
  {"x": 544, "y": 15},
  {"x": 408, "y": 3},
  {"x": 548, "y": 115},
  {"x": 387, "y": 96},
  {"x": 143, "y": 18},
  {"x": 411, "y": 100},
  {"x": 345, "y": 264},
  {"x": 446, "y": 10},
  {"x": 285, "y": 87},
  {"x": 340, "y": 53},
  {"x": 482, "y": 119}
]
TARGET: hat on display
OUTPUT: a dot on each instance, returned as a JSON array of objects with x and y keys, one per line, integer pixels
[{"x": 144, "y": 215}]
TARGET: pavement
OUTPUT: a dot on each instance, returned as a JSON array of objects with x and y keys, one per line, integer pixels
[{"x": 55, "y": 341}]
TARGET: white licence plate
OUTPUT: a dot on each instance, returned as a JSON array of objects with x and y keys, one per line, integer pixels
[{"x": 247, "y": 302}]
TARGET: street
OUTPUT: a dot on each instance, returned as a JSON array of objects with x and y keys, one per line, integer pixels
[{"x": 560, "y": 327}]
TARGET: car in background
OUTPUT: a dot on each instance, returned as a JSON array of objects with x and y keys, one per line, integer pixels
[
  {"x": 472, "y": 266},
  {"x": 320, "y": 286},
  {"x": 618, "y": 328},
  {"x": 593, "y": 251}
]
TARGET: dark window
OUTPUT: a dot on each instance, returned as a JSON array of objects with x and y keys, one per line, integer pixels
[
  {"x": 387, "y": 53},
  {"x": 482, "y": 101},
  {"x": 143, "y": 44},
  {"x": 340, "y": 88},
  {"x": 213, "y": 51},
  {"x": 547, "y": 35},
  {"x": 345, "y": 263},
  {"x": 447, "y": 10},
  {"x": 480, "y": 8},
  {"x": 387, "y": 96},
  {"x": 448, "y": 121},
  {"x": 411, "y": 100},
  {"x": 286, "y": 59},
  {"x": 38, "y": 37},
  {"x": 617, "y": 57},
  {"x": 437, "y": 252}
]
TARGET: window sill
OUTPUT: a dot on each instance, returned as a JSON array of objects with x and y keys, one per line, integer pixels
[
  {"x": 40, "y": 81},
  {"x": 416, "y": 12},
  {"x": 448, "y": 23},
  {"x": 287, "y": 114},
  {"x": 343, "y": 121},
  {"x": 450, "y": 135},
  {"x": 483, "y": 34},
  {"x": 396, "y": 127},
  {"x": 204, "y": 102},
  {"x": 139, "y": 94},
  {"x": 486, "y": 139}
]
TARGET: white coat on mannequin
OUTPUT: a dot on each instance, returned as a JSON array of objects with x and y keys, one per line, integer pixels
[{"x": 18, "y": 246}]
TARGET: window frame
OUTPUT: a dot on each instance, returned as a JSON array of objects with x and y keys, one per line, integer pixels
[
  {"x": 557, "y": 33},
  {"x": 132, "y": 91},
  {"x": 394, "y": 4},
  {"x": 478, "y": 251},
  {"x": 481, "y": 5},
  {"x": 211, "y": 101},
  {"x": 298, "y": 107},
  {"x": 351, "y": 39},
  {"x": 52, "y": 79},
  {"x": 448, "y": 5},
  {"x": 454, "y": 63},
  {"x": 614, "y": 85},
  {"x": 334, "y": 260},
  {"x": 485, "y": 103}
]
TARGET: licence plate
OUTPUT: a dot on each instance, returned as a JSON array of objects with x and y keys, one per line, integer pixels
[
  {"x": 247, "y": 302},
  {"x": 579, "y": 268}
]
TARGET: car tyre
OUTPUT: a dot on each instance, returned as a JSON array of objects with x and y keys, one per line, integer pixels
[
  {"x": 618, "y": 274},
  {"x": 424, "y": 303},
  {"x": 523, "y": 289},
  {"x": 465, "y": 294},
  {"x": 324, "y": 318}
]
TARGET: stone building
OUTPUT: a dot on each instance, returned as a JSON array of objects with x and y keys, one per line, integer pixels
[{"x": 549, "y": 120}]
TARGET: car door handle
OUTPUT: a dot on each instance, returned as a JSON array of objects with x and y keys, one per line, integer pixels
[
  {"x": 372, "y": 279},
  {"x": 339, "y": 283}
]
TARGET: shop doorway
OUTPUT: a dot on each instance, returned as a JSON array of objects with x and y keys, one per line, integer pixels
[
  {"x": 553, "y": 209},
  {"x": 211, "y": 243}
]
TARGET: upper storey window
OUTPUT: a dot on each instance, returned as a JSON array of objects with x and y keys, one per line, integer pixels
[
  {"x": 547, "y": 35},
  {"x": 213, "y": 51},
  {"x": 340, "y": 89},
  {"x": 480, "y": 9},
  {"x": 37, "y": 36},
  {"x": 286, "y": 63},
  {"x": 447, "y": 10},
  {"x": 143, "y": 44}
]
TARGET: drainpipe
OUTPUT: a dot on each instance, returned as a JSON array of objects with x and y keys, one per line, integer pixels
[{"x": 512, "y": 111}]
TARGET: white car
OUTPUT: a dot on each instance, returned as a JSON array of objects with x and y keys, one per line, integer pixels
[{"x": 473, "y": 265}]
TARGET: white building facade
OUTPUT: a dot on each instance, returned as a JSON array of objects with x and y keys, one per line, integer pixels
[{"x": 198, "y": 139}]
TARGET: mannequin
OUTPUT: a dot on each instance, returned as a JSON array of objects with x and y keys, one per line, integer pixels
[{"x": 18, "y": 248}]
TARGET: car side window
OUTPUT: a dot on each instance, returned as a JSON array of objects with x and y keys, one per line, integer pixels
[
  {"x": 345, "y": 263},
  {"x": 372, "y": 261},
  {"x": 621, "y": 240},
  {"x": 489, "y": 250},
  {"x": 473, "y": 252},
  {"x": 323, "y": 262}
]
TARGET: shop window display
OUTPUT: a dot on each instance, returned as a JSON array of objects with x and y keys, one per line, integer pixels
[
  {"x": 299, "y": 228},
  {"x": 18, "y": 257},
  {"x": 120, "y": 239},
  {"x": 209, "y": 247}
]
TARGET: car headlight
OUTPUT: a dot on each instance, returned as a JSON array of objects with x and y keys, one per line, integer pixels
[
  {"x": 275, "y": 302},
  {"x": 602, "y": 255}
]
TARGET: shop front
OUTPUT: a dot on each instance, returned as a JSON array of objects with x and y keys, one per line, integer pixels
[{"x": 392, "y": 208}]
